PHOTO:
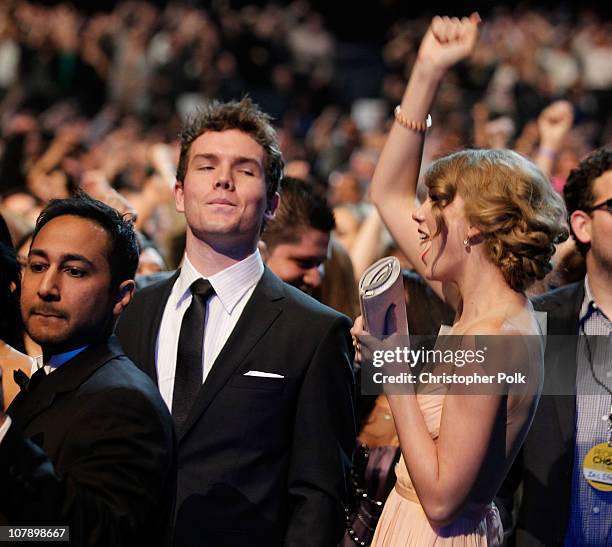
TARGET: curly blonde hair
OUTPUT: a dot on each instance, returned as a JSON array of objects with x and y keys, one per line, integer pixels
[{"x": 510, "y": 201}]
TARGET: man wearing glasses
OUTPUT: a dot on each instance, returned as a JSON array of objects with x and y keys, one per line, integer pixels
[{"x": 573, "y": 423}]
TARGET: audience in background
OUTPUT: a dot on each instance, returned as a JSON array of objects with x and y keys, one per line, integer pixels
[
  {"x": 94, "y": 99},
  {"x": 297, "y": 238},
  {"x": 73, "y": 113}
]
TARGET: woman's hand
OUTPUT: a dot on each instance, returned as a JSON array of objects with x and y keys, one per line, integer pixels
[
  {"x": 11, "y": 360},
  {"x": 554, "y": 122},
  {"x": 366, "y": 344},
  {"x": 448, "y": 41},
  {"x": 357, "y": 331}
]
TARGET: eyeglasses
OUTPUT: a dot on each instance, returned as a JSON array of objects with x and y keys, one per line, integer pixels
[{"x": 605, "y": 205}]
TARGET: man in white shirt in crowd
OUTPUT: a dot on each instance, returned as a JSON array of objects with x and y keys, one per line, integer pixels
[{"x": 257, "y": 374}]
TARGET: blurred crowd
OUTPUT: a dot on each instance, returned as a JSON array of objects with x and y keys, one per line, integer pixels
[{"x": 96, "y": 101}]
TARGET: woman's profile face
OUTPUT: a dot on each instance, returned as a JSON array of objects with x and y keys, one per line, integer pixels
[{"x": 442, "y": 254}]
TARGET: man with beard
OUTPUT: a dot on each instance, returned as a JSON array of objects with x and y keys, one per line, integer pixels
[
  {"x": 88, "y": 442},
  {"x": 558, "y": 506}
]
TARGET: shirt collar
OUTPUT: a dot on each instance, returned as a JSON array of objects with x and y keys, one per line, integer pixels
[
  {"x": 589, "y": 305},
  {"x": 230, "y": 284},
  {"x": 56, "y": 361}
]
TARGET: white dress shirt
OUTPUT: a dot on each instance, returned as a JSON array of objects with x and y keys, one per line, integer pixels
[
  {"x": 233, "y": 289},
  {"x": 5, "y": 426}
]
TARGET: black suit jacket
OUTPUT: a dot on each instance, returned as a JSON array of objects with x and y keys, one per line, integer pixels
[
  {"x": 545, "y": 462},
  {"x": 262, "y": 461},
  {"x": 91, "y": 446}
]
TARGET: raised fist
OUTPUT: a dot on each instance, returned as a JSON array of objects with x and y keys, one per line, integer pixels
[
  {"x": 554, "y": 122},
  {"x": 448, "y": 41}
]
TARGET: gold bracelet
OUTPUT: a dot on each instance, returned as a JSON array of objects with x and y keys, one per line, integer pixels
[{"x": 420, "y": 127}]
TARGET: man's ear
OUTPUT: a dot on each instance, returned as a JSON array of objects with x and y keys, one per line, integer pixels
[
  {"x": 179, "y": 197},
  {"x": 581, "y": 226},
  {"x": 273, "y": 204},
  {"x": 123, "y": 296}
]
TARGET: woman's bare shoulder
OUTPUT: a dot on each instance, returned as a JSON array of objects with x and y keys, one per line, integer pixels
[{"x": 514, "y": 320}]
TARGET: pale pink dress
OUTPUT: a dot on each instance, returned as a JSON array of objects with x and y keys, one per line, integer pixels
[{"x": 404, "y": 523}]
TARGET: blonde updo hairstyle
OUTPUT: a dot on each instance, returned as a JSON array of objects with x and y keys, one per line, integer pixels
[{"x": 510, "y": 201}]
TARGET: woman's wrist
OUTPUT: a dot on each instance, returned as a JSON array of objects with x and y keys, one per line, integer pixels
[
  {"x": 547, "y": 151},
  {"x": 428, "y": 71}
]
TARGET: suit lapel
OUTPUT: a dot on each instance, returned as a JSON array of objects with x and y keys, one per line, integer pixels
[
  {"x": 154, "y": 307},
  {"x": 258, "y": 316},
  {"x": 66, "y": 378},
  {"x": 563, "y": 323}
]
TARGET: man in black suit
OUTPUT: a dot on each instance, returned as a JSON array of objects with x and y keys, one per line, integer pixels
[
  {"x": 558, "y": 506},
  {"x": 262, "y": 394},
  {"x": 88, "y": 443}
]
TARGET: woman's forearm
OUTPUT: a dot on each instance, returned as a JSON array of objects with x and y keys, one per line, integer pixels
[
  {"x": 420, "y": 455},
  {"x": 400, "y": 161}
]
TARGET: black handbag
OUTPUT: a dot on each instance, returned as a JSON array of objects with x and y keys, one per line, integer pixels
[{"x": 372, "y": 479}]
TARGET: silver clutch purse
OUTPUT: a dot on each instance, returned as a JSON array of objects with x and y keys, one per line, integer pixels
[{"x": 381, "y": 296}]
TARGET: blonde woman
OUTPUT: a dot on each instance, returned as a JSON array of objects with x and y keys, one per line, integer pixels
[{"x": 486, "y": 231}]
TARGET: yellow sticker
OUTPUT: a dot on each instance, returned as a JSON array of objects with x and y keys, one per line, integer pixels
[{"x": 597, "y": 467}]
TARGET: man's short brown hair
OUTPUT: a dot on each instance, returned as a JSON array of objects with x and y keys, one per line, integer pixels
[
  {"x": 578, "y": 190},
  {"x": 245, "y": 116},
  {"x": 302, "y": 207}
]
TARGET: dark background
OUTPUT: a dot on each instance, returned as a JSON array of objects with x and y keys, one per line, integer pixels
[{"x": 367, "y": 21}]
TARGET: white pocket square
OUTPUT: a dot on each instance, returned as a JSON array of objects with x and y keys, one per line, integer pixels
[{"x": 261, "y": 374}]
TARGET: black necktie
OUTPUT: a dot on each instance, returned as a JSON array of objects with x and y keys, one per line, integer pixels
[{"x": 188, "y": 376}]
